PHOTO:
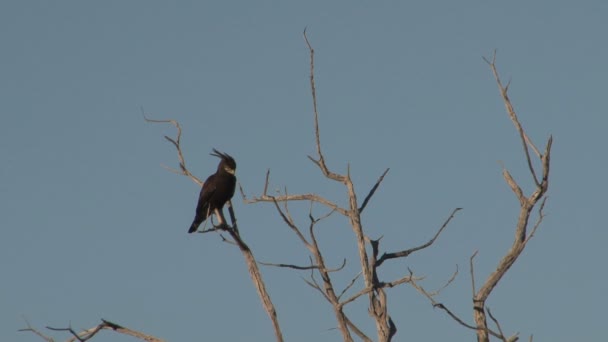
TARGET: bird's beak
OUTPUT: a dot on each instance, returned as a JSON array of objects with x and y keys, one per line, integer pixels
[{"x": 229, "y": 170}]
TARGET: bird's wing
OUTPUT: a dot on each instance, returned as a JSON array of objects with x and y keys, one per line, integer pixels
[{"x": 205, "y": 195}]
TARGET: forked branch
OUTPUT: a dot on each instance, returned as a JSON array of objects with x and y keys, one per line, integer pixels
[
  {"x": 177, "y": 144},
  {"x": 527, "y": 204}
]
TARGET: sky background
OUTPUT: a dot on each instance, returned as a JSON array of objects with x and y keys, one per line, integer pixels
[{"x": 92, "y": 226}]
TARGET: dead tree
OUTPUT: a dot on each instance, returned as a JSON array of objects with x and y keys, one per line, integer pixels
[{"x": 370, "y": 259}]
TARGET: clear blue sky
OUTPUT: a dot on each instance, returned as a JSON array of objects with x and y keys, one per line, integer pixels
[{"x": 93, "y": 227}]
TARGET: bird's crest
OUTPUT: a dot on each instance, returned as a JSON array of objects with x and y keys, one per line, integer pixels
[{"x": 228, "y": 162}]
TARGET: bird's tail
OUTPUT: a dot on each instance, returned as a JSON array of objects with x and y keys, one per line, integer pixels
[{"x": 194, "y": 226}]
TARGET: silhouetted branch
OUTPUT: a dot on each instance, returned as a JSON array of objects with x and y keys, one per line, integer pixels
[
  {"x": 405, "y": 253},
  {"x": 372, "y": 191},
  {"x": 311, "y": 267}
]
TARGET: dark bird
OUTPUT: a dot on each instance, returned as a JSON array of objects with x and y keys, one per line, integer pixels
[{"x": 217, "y": 190}]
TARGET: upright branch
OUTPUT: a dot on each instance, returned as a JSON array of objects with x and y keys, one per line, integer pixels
[
  {"x": 252, "y": 266},
  {"x": 527, "y": 204},
  {"x": 321, "y": 161},
  {"x": 377, "y": 298}
]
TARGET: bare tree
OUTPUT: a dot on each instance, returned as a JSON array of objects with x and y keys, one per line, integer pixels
[{"x": 370, "y": 257}]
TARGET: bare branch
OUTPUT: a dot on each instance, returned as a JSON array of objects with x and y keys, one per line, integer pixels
[
  {"x": 357, "y": 295},
  {"x": 372, "y": 191},
  {"x": 546, "y": 161},
  {"x": 226, "y": 240},
  {"x": 315, "y": 286},
  {"x": 176, "y": 144},
  {"x": 441, "y": 306},
  {"x": 299, "y": 197},
  {"x": 87, "y": 334},
  {"x": 296, "y": 267},
  {"x": 460, "y": 321},
  {"x": 511, "y": 111},
  {"x": 313, "y": 220},
  {"x": 256, "y": 277},
  {"x": 516, "y": 189},
  {"x": 243, "y": 196},
  {"x": 357, "y": 331},
  {"x": 541, "y": 216},
  {"x": 31, "y": 329},
  {"x": 405, "y": 253},
  {"x": 291, "y": 225},
  {"x": 266, "y": 182},
  {"x": 402, "y": 280},
  {"x": 527, "y": 204},
  {"x": 447, "y": 283},
  {"x": 321, "y": 162},
  {"x": 472, "y": 272},
  {"x": 502, "y": 335},
  {"x": 352, "y": 282},
  {"x": 130, "y": 332}
]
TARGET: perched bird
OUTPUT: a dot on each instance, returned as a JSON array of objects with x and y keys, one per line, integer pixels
[{"x": 217, "y": 190}]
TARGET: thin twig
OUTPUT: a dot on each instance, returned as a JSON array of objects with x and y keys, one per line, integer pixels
[
  {"x": 297, "y": 267},
  {"x": 541, "y": 216},
  {"x": 292, "y": 225},
  {"x": 31, "y": 329},
  {"x": 299, "y": 197},
  {"x": 352, "y": 282},
  {"x": 176, "y": 144},
  {"x": 447, "y": 283},
  {"x": 405, "y": 253},
  {"x": 321, "y": 161},
  {"x": 441, "y": 306},
  {"x": 502, "y": 334}
]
